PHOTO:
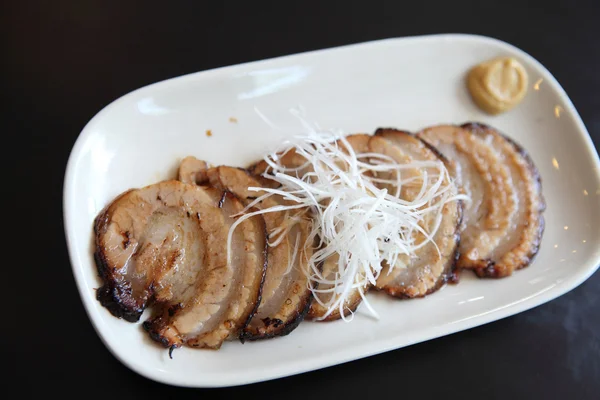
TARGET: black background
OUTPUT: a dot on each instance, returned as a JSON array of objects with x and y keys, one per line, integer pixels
[{"x": 63, "y": 61}]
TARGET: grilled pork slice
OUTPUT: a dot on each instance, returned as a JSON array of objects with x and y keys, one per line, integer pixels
[
  {"x": 296, "y": 163},
  {"x": 164, "y": 245},
  {"x": 192, "y": 171},
  {"x": 492, "y": 216},
  {"x": 286, "y": 295},
  {"x": 143, "y": 237},
  {"x": 359, "y": 143},
  {"x": 412, "y": 178},
  {"x": 522, "y": 241},
  {"x": 226, "y": 294},
  {"x": 319, "y": 306},
  {"x": 483, "y": 177},
  {"x": 429, "y": 269}
]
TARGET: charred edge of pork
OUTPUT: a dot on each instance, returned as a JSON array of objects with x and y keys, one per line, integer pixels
[
  {"x": 382, "y": 130},
  {"x": 283, "y": 328},
  {"x": 222, "y": 199},
  {"x": 252, "y": 167},
  {"x": 277, "y": 327},
  {"x": 433, "y": 149},
  {"x": 111, "y": 295},
  {"x": 334, "y": 316},
  {"x": 157, "y": 337},
  {"x": 265, "y": 182},
  {"x": 488, "y": 270},
  {"x": 453, "y": 275}
]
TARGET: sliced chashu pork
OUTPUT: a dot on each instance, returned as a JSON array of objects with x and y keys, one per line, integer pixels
[
  {"x": 503, "y": 222},
  {"x": 140, "y": 242},
  {"x": 192, "y": 171},
  {"x": 522, "y": 242},
  {"x": 225, "y": 296},
  {"x": 163, "y": 245},
  {"x": 297, "y": 166},
  {"x": 319, "y": 307},
  {"x": 286, "y": 295},
  {"x": 296, "y": 163},
  {"x": 485, "y": 179},
  {"x": 428, "y": 269}
]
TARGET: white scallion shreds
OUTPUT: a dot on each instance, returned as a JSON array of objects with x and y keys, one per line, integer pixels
[{"x": 352, "y": 215}]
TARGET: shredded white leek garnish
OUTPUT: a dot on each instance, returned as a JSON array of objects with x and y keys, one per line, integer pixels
[{"x": 352, "y": 215}]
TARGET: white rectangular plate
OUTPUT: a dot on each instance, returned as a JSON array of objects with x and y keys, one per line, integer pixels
[{"x": 408, "y": 83}]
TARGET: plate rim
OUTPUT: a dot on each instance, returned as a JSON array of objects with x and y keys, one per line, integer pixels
[{"x": 570, "y": 283}]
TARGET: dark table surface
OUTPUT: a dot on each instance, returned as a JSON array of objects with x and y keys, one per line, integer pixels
[{"x": 64, "y": 61}]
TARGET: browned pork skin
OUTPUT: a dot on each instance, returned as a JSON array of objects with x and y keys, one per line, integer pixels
[
  {"x": 286, "y": 295},
  {"x": 521, "y": 244},
  {"x": 428, "y": 270},
  {"x": 162, "y": 244}
]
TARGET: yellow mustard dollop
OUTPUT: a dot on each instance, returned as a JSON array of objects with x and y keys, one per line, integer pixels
[{"x": 498, "y": 85}]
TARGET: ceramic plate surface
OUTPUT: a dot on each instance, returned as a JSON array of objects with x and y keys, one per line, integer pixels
[{"x": 408, "y": 83}]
